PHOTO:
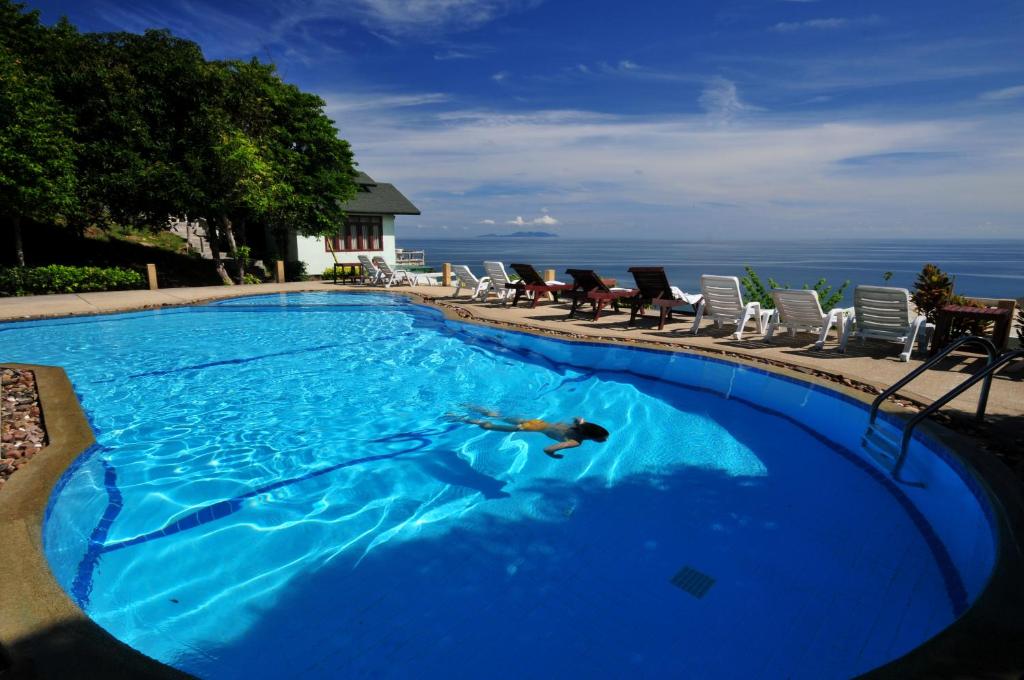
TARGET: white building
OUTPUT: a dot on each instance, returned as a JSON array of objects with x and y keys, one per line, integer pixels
[{"x": 369, "y": 229}]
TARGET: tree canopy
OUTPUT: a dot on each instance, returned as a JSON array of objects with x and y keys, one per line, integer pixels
[{"x": 103, "y": 128}]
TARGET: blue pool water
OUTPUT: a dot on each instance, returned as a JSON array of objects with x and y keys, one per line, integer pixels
[{"x": 277, "y": 492}]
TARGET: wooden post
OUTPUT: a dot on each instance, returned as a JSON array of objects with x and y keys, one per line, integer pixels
[
  {"x": 549, "y": 275},
  {"x": 151, "y": 274},
  {"x": 446, "y": 274},
  {"x": 1002, "y": 339},
  {"x": 280, "y": 271}
]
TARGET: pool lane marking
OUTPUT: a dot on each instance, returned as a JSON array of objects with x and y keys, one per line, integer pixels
[
  {"x": 245, "y": 360},
  {"x": 81, "y": 588},
  {"x": 97, "y": 546},
  {"x": 229, "y": 362}
]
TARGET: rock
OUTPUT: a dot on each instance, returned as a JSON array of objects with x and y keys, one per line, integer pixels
[{"x": 22, "y": 435}]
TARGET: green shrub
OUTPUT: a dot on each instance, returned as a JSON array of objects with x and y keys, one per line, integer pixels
[
  {"x": 932, "y": 289},
  {"x": 57, "y": 278},
  {"x": 251, "y": 278},
  {"x": 757, "y": 292}
]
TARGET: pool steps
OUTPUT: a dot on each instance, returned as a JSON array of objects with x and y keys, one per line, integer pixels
[{"x": 892, "y": 454}]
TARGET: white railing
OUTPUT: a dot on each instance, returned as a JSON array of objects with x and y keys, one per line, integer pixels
[{"x": 410, "y": 257}]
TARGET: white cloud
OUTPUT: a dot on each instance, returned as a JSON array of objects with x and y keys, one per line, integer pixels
[
  {"x": 623, "y": 67},
  {"x": 449, "y": 55},
  {"x": 547, "y": 220},
  {"x": 1015, "y": 92},
  {"x": 722, "y": 101},
  {"x": 830, "y": 23},
  {"x": 405, "y": 18},
  {"x": 486, "y": 221},
  {"x": 781, "y": 176},
  {"x": 343, "y": 102},
  {"x": 500, "y": 76},
  {"x": 220, "y": 32}
]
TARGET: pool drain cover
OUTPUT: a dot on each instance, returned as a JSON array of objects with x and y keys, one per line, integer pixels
[{"x": 693, "y": 582}]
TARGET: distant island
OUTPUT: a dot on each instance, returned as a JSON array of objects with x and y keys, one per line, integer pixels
[{"x": 522, "y": 234}]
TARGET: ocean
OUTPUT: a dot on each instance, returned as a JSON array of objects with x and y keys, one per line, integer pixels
[{"x": 982, "y": 268}]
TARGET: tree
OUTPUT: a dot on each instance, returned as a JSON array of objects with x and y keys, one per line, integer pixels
[
  {"x": 316, "y": 164},
  {"x": 137, "y": 103},
  {"x": 133, "y": 129},
  {"x": 277, "y": 159},
  {"x": 37, "y": 180}
]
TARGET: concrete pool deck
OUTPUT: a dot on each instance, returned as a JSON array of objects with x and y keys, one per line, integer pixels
[
  {"x": 49, "y": 637},
  {"x": 871, "y": 366}
]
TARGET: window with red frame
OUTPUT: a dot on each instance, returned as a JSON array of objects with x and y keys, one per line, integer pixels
[{"x": 361, "y": 232}]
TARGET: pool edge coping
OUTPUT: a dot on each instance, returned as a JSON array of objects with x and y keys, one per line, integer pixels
[
  {"x": 43, "y": 633},
  {"x": 75, "y": 646}
]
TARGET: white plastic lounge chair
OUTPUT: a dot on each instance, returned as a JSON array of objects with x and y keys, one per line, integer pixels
[
  {"x": 499, "y": 277},
  {"x": 389, "y": 276},
  {"x": 885, "y": 313},
  {"x": 373, "y": 274},
  {"x": 800, "y": 310},
  {"x": 464, "y": 278},
  {"x": 724, "y": 304}
]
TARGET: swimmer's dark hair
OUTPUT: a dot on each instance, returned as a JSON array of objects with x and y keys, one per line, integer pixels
[{"x": 591, "y": 431}]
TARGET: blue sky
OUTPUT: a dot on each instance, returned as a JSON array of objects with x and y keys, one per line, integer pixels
[{"x": 713, "y": 119}]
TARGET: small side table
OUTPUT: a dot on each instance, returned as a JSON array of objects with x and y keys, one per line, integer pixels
[
  {"x": 351, "y": 272},
  {"x": 949, "y": 313}
]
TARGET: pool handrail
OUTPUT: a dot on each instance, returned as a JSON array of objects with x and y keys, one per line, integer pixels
[
  {"x": 992, "y": 355},
  {"x": 986, "y": 374}
]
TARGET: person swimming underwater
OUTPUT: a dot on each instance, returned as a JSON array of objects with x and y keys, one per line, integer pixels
[{"x": 567, "y": 435}]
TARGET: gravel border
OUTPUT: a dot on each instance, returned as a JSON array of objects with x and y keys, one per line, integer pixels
[{"x": 22, "y": 434}]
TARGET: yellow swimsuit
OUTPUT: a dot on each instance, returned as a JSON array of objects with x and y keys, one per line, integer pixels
[{"x": 535, "y": 425}]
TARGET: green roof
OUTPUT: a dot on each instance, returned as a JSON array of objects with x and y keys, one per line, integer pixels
[{"x": 378, "y": 198}]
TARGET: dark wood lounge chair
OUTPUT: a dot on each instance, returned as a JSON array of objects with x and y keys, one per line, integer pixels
[
  {"x": 587, "y": 286},
  {"x": 530, "y": 281},
  {"x": 654, "y": 290}
]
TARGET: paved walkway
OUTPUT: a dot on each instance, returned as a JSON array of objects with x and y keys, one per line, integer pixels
[
  {"x": 875, "y": 363},
  {"x": 36, "y": 306}
]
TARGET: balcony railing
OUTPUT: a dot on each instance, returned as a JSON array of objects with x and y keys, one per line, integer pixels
[{"x": 410, "y": 258}]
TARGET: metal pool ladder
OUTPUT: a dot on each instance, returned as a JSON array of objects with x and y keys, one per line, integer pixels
[{"x": 887, "y": 449}]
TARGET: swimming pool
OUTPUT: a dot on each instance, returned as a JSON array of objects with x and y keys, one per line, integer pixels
[{"x": 276, "y": 491}]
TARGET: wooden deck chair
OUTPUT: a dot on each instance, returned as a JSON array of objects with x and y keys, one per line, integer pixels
[
  {"x": 800, "y": 310},
  {"x": 724, "y": 304},
  {"x": 885, "y": 313},
  {"x": 587, "y": 286},
  {"x": 654, "y": 289},
  {"x": 532, "y": 285},
  {"x": 465, "y": 278}
]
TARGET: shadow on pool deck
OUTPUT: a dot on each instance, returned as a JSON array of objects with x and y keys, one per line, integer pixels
[{"x": 78, "y": 649}]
